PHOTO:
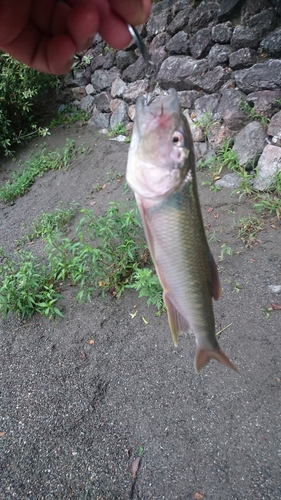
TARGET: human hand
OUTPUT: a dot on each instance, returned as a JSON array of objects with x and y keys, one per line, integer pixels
[{"x": 45, "y": 34}]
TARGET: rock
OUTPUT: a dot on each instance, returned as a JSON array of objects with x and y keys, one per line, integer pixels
[
  {"x": 268, "y": 166},
  {"x": 219, "y": 54},
  {"x": 231, "y": 181},
  {"x": 125, "y": 58},
  {"x": 206, "y": 14},
  {"x": 181, "y": 72},
  {"x": 102, "y": 79},
  {"x": 272, "y": 43},
  {"x": 132, "y": 112},
  {"x": 203, "y": 152},
  {"x": 275, "y": 288},
  {"x": 180, "y": 21},
  {"x": 261, "y": 76},
  {"x": 97, "y": 61},
  {"x": 78, "y": 92},
  {"x": 87, "y": 104},
  {"x": 109, "y": 59},
  {"x": 157, "y": 23},
  {"x": 242, "y": 58},
  {"x": 206, "y": 106},
  {"x": 102, "y": 102},
  {"x": 264, "y": 101},
  {"x": 212, "y": 80},
  {"x": 114, "y": 104},
  {"x": 89, "y": 89},
  {"x": 218, "y": 135},
  {"x": 222, "y": 33},
  {"x": 198, "y": 134},
  {"x": 263, "y": 23},
  {"x": 187, "y": 98},
  {"x": 99, "y": 120},
  {"x": 134, "y": 90},
  {"x": 119, "y": 138},
  {"x": 179, "y": 44},
  {"x": 200, "y": 43},
  {"x": 157, "y": 57},
  {"x": 227, "y": 7},
  {"x": 274, "y": 128},
  {"x": 229, "y": 109},
  {"x": 244, "y": 36},
  {"x": 158, "y": 41},
  {"x": 249, "y": 144},
  {"x": 135, "y": 71},
  {"x": 118, "y": 87},
  {"x": 120, "y": 115}
]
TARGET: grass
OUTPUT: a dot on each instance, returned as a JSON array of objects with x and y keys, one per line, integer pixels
[
  {"x": 37, "y": 165},
  {"x": 119, "y": 129},
  {"x": 47, "y": 223},
  {"x": 69, "y": 115},
  {"x": 251, "y": 112},
  {"x": 249, "y": 227}
]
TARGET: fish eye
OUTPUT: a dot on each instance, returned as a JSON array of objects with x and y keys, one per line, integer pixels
[{"x": 178, "y": 138}]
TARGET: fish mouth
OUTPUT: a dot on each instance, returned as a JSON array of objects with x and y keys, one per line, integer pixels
[{"x": 156, "y": 107}]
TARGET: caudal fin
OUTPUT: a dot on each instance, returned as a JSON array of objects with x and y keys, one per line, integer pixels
[{"x": 203, "y": 357}]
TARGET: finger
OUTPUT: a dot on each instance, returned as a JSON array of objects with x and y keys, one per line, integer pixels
[
  {"x": 53, "y": 55},
  {"x": 83, "y": 23},
  {"x": 13, "y": 18},
  {"x": 134, "y": 12}
]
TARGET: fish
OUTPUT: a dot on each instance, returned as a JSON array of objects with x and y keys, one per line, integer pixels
[{"x": 161, "y": 173}]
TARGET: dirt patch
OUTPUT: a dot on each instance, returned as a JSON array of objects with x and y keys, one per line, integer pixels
[{"x": 75, "y": 412}]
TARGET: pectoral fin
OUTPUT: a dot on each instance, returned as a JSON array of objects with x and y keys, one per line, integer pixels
[{"x": 177, "y": 322}]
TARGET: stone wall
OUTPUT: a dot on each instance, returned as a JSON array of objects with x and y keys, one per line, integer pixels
[{"x": 223, "y": 59}]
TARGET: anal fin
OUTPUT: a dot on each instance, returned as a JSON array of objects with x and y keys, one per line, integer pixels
[{"x": 177, "y": 322}]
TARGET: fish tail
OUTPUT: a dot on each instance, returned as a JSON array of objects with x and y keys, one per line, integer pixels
[{"x": 204, "y": 355}]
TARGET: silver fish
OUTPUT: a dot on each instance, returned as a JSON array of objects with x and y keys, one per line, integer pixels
[{"x": 161, "y": 172}]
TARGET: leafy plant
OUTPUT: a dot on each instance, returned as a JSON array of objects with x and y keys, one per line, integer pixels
[
  {"x": 47, "y": 223},
  {"x": 26, "y": 287},
  {"x": 69, "y": 115},
  {"x": 107, "y": 251},
  {"x": 20, "y": 87},
  {"x": 146, "y": 282},
  {"x": 119, "y": 129},
  {"x": 39, "y": 163}
]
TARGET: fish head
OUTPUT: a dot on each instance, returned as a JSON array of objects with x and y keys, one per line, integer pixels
[{"x": 161, "y": 155}]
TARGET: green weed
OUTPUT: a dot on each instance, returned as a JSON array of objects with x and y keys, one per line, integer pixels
[
  {"x": 227, "y": 157},
  {"x": 225, "y": 249},
  {"x": 119, "y": 129},
  {"x": 205, "y": 121},
  {"x": 47, "y": 223},
  {"x": 26, "y": 287},
  {"x": 108, "y": 253},
  {"x": 249, "y": 227},
  {"x": 270, "y": 203},
  {"x": 39, "y": 163},
  {"x": 20, "y": 88},
  {"x": 146, "y": 282},
  {"x": 252, "y": 113},
  {"x": 70, "y": 115}
]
